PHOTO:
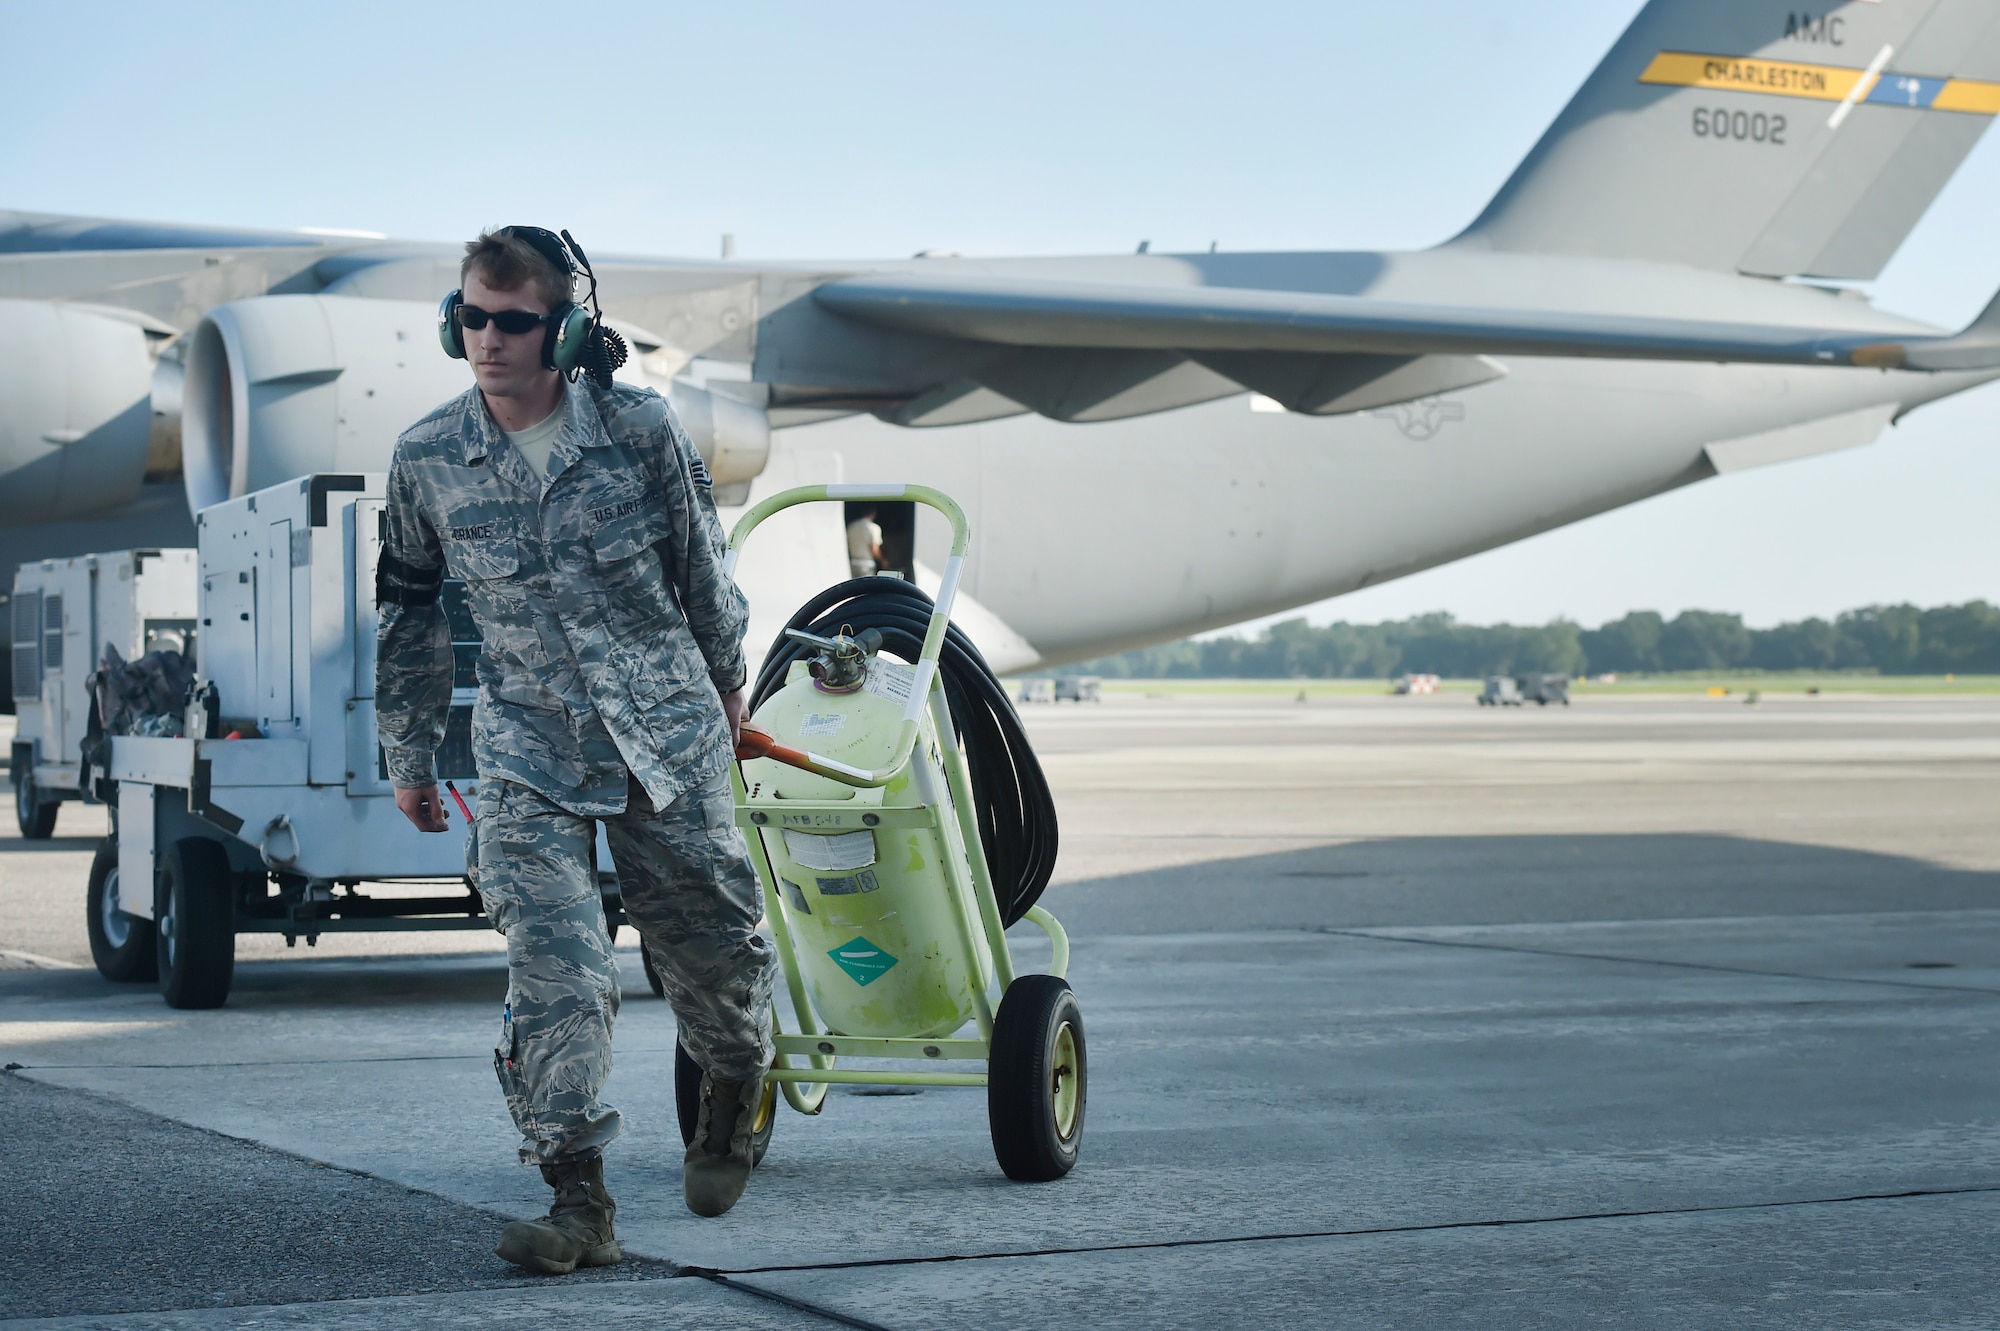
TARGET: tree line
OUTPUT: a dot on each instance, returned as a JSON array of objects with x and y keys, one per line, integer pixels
[{"x": 1886, "y": 639}]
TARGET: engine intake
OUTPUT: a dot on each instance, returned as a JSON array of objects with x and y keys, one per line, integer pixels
[{"x": 282, "y": 386}]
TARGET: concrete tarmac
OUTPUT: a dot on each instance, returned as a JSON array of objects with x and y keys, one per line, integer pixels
[{"x": 1644, "y": 1012}]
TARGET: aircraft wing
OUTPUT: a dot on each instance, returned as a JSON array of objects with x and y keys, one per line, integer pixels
[{"x": 1058, "y": 313}]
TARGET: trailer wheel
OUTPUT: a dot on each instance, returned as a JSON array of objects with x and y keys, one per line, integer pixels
[
  {"x": 36, "y": 816},
  {"x": 1037, "y": 1076},
  {"x": 687, "y": 1105},
  {"x": 123, "y": 946},
  {"x": 196, "y": 925}
]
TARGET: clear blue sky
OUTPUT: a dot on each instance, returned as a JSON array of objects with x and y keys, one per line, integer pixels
[{"x": 877, "y": 129}]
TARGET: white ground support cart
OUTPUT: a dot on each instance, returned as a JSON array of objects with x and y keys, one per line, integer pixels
[
  {"x": 64, "y": 612},
  {"x": 275, "y": 814}
]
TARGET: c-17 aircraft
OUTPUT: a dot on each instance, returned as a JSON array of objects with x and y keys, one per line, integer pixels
[{"x": 1147, "y": 445}]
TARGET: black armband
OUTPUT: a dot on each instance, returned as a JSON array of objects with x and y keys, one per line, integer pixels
[{"x": 397, "y": 583}]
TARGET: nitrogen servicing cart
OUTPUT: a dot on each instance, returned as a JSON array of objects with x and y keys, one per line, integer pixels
[{"x": 893, "y": 860}]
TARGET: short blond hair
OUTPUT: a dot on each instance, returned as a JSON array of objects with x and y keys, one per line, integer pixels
[{"x": 510, "y": 263}]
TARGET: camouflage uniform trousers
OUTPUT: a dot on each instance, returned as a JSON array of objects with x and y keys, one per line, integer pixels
[{"x": 689, "y": 889}]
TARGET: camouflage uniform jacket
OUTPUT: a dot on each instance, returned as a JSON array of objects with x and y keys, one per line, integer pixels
[{"x": 610, "y": 627}]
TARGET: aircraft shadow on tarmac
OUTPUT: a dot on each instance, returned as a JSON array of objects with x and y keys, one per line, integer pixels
[
  {"x": 1398, "y": 881},
  {"x": 332, "y": 982},
  {"x": 72, "y": 845},
  {"x": 1514, "y": 880}
]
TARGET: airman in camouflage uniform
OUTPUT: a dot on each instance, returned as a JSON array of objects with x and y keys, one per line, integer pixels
[{"x": 611, "y": 632}]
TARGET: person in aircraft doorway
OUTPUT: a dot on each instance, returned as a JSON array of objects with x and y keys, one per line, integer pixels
[
  {"x": 864, "y": 544},
  {"x": 610, "y": 691}
]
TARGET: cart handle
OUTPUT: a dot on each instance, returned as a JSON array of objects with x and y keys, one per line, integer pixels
[
  {"x": 758, "y": 743},
  {"x": 927, "y": 659}
]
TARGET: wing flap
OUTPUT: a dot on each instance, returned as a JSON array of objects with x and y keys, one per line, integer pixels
[
  {"x": 1194, "y": 320},
  {"x": 1336, "y": 385}
]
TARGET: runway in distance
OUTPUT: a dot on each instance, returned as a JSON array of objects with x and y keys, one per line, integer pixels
[{"x": 1148, "y": 445}]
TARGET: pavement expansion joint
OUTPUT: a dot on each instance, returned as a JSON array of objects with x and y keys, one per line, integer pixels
[
  {"x": 1377, "y": 936},
  {"x": 722, "y": 1281},
  {"x": 1370, "y": 1231}
]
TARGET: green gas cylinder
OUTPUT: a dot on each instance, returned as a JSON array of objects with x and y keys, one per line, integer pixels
[{"x": 874, "y": 921}]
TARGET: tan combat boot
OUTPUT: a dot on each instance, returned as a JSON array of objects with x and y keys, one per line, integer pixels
[
  {"x": 718, "y": 1161},
  {"x": 577, "y": 1230}
]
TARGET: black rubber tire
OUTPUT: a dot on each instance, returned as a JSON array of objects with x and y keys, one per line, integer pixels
[
  {"x": 35, "y": 815},
  {"x": 1021, "y": 1071},
  {"x": 195, "y": 923},
  {"x": 687, "y": 1105},
  {"x": 122, "y": 945}
]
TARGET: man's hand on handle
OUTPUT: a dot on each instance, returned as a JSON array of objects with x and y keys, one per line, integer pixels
[
  {"x": 733, "y": 705},
  {"x": 421, "y": 805}
]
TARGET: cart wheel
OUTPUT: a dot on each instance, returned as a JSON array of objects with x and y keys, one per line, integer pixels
[
  {"x": 196, "y": 924},
  {"x": 36, "y": 815},
  {"x": 687, "y": 1104},
  {"x": 1037, "y": 1076},
  {"x": 122, "y": 945}
]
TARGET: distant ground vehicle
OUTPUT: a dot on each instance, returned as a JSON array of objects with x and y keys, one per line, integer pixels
[
  {"x": 1079, "y": 688},
  {"x": 1038, "y": 690},
  {"x": 1543, "y": 689},
  {"x": 64, "y": 612},
  {"x": 1417, "y": 684}
]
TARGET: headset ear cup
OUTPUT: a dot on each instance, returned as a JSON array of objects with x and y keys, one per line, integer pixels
[
  {"x": 450, "y": 336},
  {"x": 569, "y": 335}
]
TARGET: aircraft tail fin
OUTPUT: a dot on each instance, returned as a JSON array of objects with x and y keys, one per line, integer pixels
[{"x": 1753, "y": 136}]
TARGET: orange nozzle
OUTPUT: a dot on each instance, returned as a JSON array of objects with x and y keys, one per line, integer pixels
[{"x": 757, "y": 743}]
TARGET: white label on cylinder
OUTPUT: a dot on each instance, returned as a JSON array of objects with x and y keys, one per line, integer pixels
[
  {"x": 823, "y": 723},
  {"x": 832, "y": 854},
  {"x": 891, "y": 680}
]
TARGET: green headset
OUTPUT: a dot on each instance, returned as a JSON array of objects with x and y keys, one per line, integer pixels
[{"x": 574, "y": 338}]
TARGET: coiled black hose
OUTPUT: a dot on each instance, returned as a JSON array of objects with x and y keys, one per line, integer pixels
[{"x": 1016, "y": 812}]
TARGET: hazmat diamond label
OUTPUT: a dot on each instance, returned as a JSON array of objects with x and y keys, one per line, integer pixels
[{"x": 863, "y": 960}]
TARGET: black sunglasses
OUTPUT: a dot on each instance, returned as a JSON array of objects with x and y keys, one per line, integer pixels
[{"x": 511, "y": 322}]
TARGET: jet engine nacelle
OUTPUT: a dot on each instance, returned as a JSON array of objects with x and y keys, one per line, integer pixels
[
  {"x": 76, "y": 385},
  {"x": 282, "y": 386},
  {"x": 732, "y": 435}
]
